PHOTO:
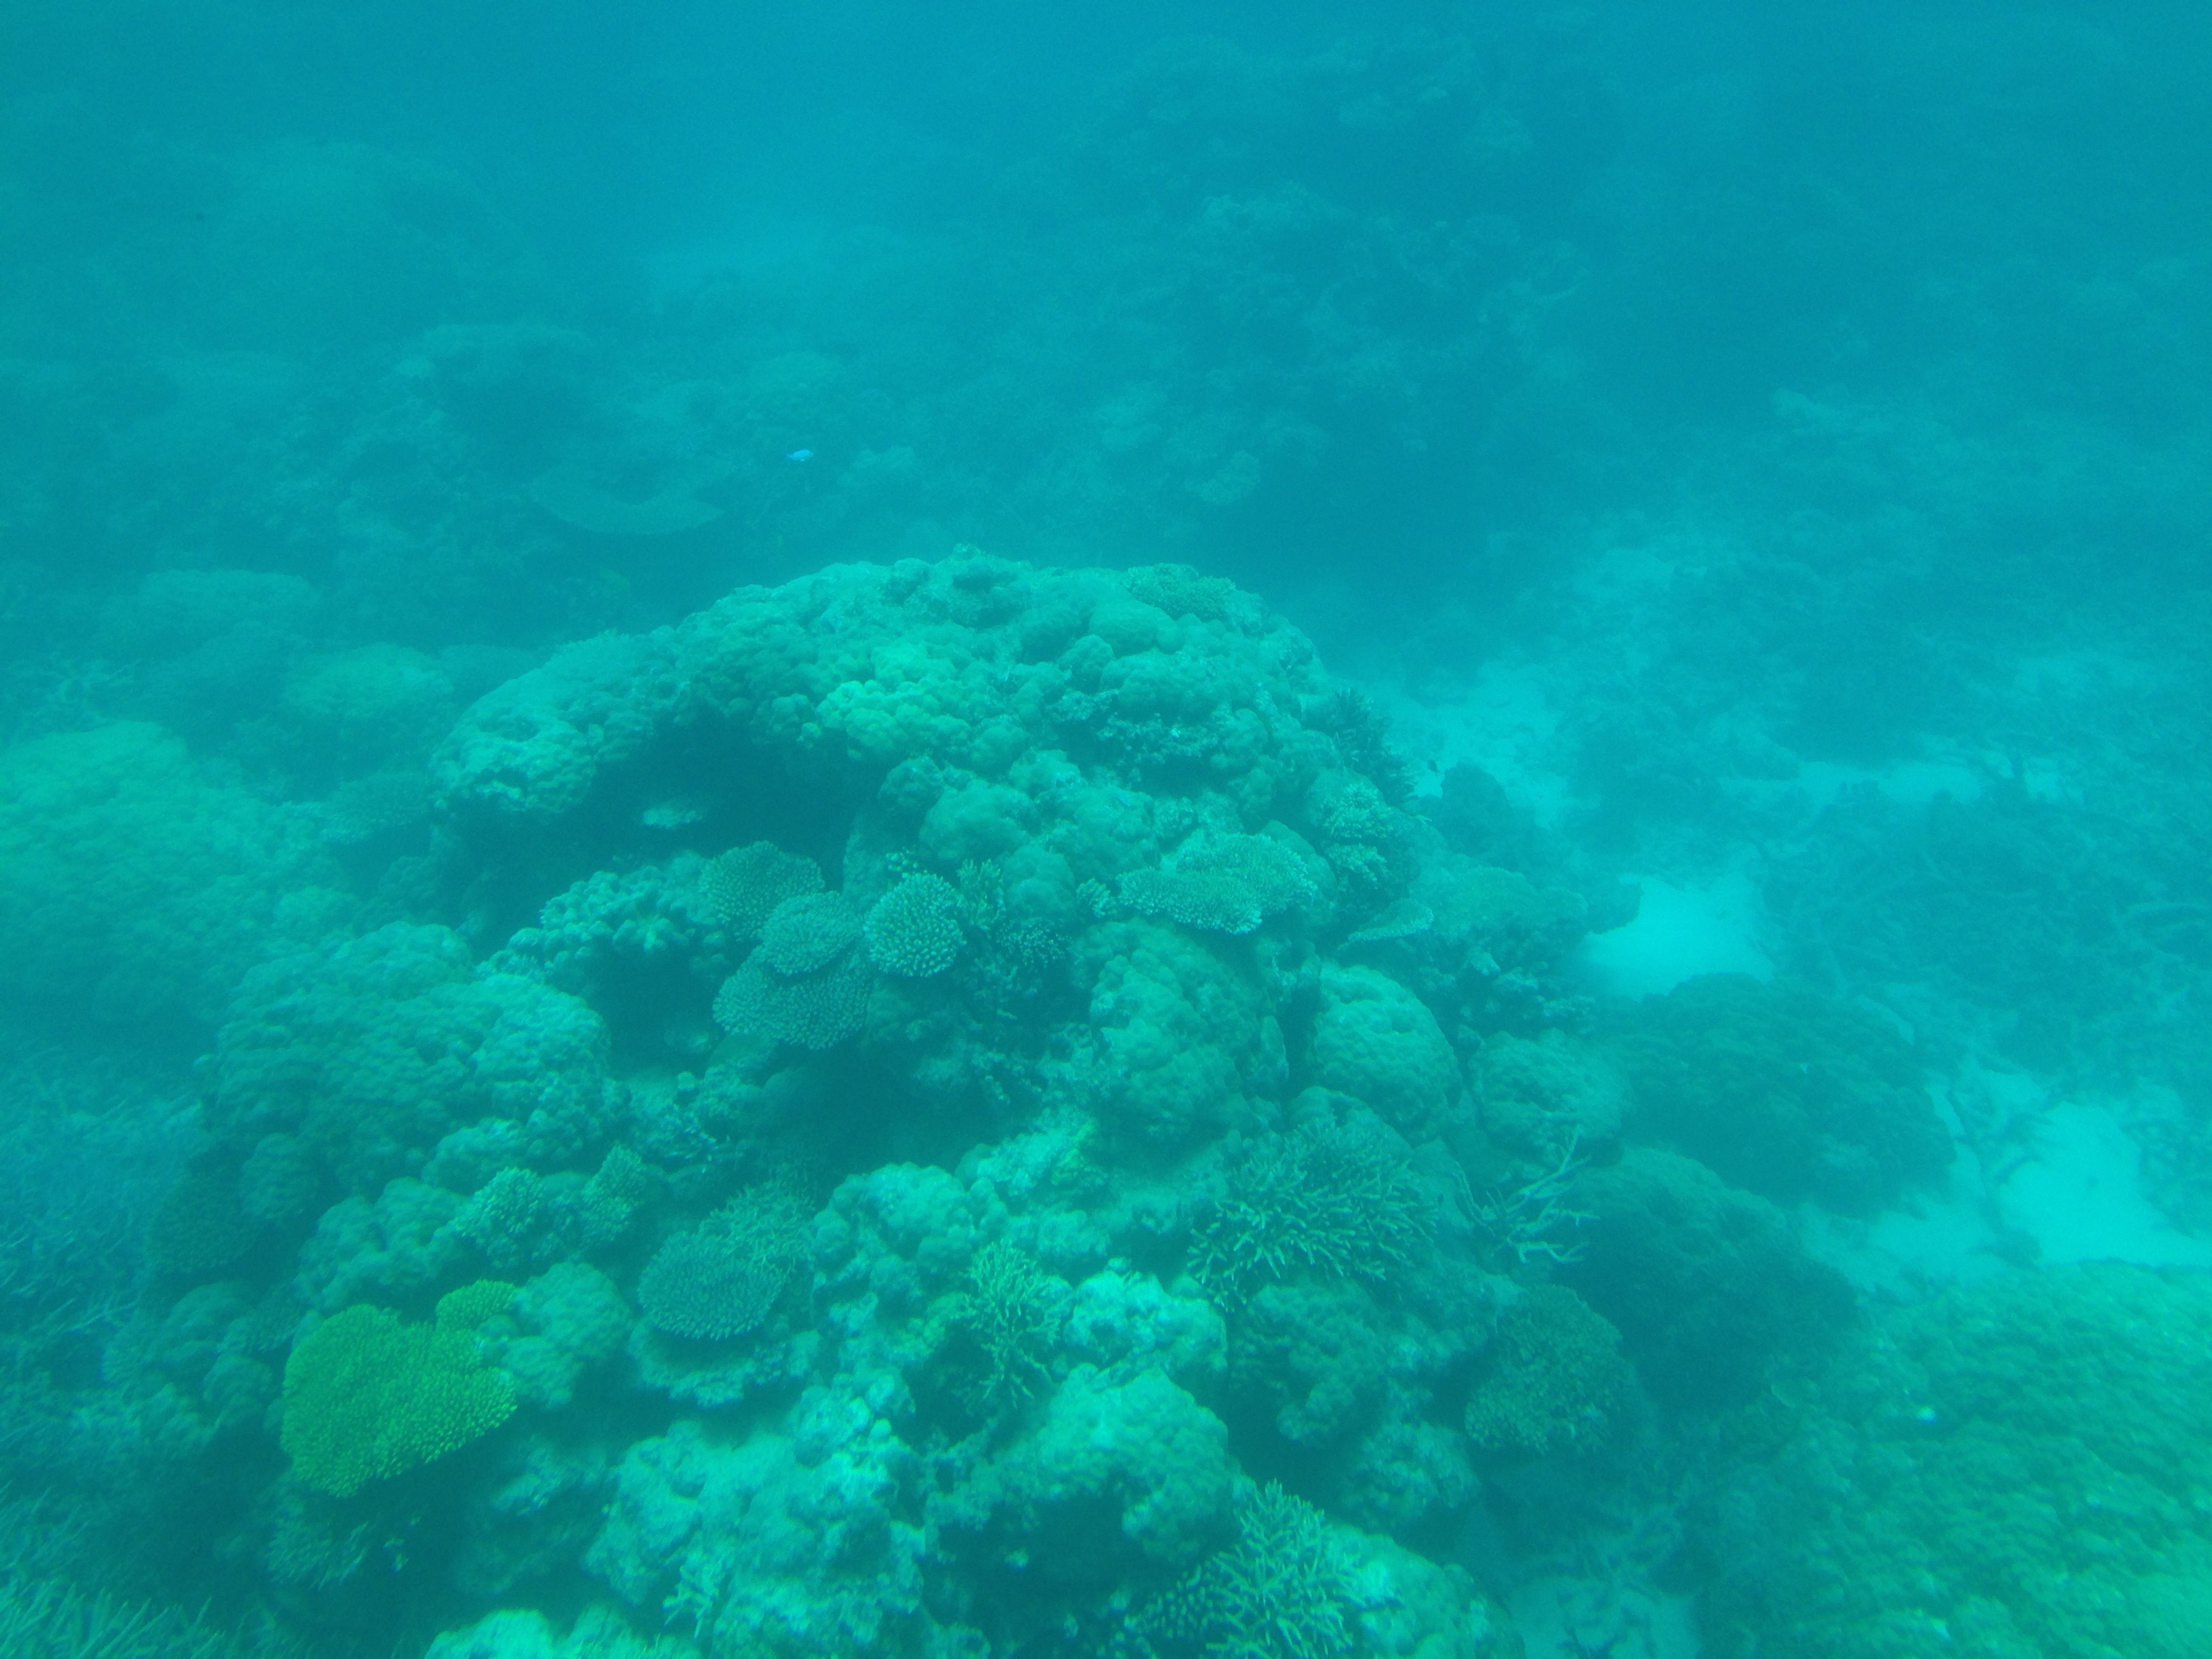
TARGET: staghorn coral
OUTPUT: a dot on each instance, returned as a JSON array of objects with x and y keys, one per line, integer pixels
[
  {"x": 367, "y": 1397},
  {"x": 1333, "y": 1199},
  {"x": 914, "y": 930},
  {"x": 1013, "y": 1307},
  {"x": 43, "y": 1618},
  {"x": 1286, "y": 1590}
]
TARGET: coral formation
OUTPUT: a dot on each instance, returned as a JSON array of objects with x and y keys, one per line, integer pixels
[
  {"x": 367, "y": 1397},
  {"x": 1132, "y": 1179},
  {"x": 137, "y": 884},
  {"x": 1556, "y": 1379},
  {"x": 914, "y": 930},
  {"x": 745, "y": 885},
  {"x": 808, "y": 932},
  {"x": 1325, "y": 1198},
  {"x": 720, "y": 1279},
  {"x": 1783, "y": 1092},
  {"x": 1286, "y": 1590}
]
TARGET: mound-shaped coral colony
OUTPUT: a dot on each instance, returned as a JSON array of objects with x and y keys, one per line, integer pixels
[{"x": 958, "y": 1108}]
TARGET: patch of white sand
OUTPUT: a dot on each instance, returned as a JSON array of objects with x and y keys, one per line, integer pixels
[
  {"x": 1503, "y": 721},
  {"x": 1680, "y": 932},
  {"x": 2080, "y": 1195},
  {"x": 1562, "y": 1618}
]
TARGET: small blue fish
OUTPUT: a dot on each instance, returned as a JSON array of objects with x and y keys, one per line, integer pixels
[{"x": 800, "y": 455}]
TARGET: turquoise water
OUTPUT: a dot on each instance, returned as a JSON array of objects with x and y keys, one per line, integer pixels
[{"x": 994, "y": 830}]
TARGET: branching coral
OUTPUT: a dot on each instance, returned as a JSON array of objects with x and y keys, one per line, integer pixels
[
  {"x": 914, "y": 930},
  {"x": 1226, "y": 884},
  {"x": 1013, "y": 1307},
  {"x": 807, "y": 933},
  {"x": 1333, "y": 1199},
  {"x": 746, "y": 883},
  {"x": 367, "y": 1397},
  {"x": 818, "y": 1011},
  {"x": 1286, "y": 1590},
  {"x": 51, "y": 1619},
  {"x": 720, "y": 1279},
  {"x": 1532, "y": 1222}
]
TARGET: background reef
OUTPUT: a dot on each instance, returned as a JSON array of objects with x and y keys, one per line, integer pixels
[{"x": 1105, "y": 830}]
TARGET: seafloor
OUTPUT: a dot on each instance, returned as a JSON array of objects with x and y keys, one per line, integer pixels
[{"x": 1059, "y": 838}]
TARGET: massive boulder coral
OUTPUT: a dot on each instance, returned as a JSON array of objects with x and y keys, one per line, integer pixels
[
  {"x": 138, "y": 885},
  {"x": 1028, "y": 691},
  {"x": 369, "y": 1055},
  {"x": 1036, "y": 787},
  {"x": 2026, "y": 1462}
]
